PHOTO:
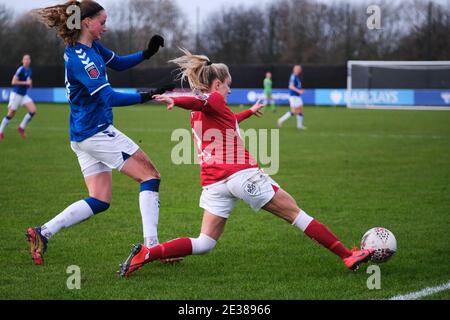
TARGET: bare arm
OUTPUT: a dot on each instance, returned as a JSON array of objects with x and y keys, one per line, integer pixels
[
  {"x": 254, "y": 110},
  {"x": 185, "y": 102}
]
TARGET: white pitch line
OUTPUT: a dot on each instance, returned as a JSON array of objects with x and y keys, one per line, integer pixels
[
  {"x": 422, "y": 293},
  {"x": 375, "y": 135}
]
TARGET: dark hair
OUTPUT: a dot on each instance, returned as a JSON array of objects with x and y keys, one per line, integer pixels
[{"x": 56, "y": 17}]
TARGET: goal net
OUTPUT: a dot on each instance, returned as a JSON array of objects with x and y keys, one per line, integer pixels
[{"x": 398, "y": 84}]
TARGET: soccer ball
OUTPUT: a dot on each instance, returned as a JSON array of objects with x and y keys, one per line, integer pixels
[{"x": 383, "y": 241}]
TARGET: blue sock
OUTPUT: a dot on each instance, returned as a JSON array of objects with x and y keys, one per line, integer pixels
[
  {"x": 75, "y": 213},
  {"x": 96, "y": 205}
]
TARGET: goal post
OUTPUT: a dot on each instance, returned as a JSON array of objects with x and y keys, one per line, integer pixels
[{"x": 398, "y": 84}]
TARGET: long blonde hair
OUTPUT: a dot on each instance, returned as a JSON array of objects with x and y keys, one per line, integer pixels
[
  {"x": 56, "y": 17},
  {"x": 199, "y": 70}
]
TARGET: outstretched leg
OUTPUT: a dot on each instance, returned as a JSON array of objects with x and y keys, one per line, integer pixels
[
  {"x": 5, "y": 122},
  {"x": 284, "y": 117},
  {"x": 285, "y": 207},
  {"x": 99, "y": 186},
  {"x": 212, "y": 229}
]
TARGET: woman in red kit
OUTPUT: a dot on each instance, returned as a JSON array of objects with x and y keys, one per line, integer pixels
[{"x": 228, "y": 172}]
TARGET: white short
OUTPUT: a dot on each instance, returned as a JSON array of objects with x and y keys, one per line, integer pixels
[
  {"x": 104, "y": 151},
  {"x": 295, "y": 102},
  {"x": 253, "y": 186},
  {"x": 17, "y": 100}
]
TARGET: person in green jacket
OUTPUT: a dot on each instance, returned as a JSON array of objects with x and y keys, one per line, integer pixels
[{"x": 268, "y": 92}]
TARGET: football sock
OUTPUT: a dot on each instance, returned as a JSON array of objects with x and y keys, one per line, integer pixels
[
  {"x": 176, "y": 248},
  {"x": 151, "y": 241},
  {"x": 182, "y": 247},
  {"x": 286, "y": 116},
  {"x": 5, "y": 122},
  {"x": 321, "y": 234},
  {"x": 26, "y": 120},
  {"x": 73, "y": 214},
  {"x": 300, "y": 120},
  {"x": 149, "y": 205},
  {"x": 203, "y": 244}
]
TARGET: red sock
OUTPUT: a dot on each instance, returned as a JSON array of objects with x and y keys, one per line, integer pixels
[
  {"x": 326, "y": 238},
  {"x": 176, "y": 248}
]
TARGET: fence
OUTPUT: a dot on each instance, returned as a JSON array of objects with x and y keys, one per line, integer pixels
[{"x": 325, "y": 97}]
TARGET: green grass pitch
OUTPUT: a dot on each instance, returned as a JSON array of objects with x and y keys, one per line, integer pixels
[{"x": 352, "y": 170}]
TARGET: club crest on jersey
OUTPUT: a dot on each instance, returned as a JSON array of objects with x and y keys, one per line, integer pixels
[{"x": 92, "y": 71}]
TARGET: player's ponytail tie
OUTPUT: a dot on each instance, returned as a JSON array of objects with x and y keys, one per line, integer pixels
[{"x": 208, "y": 63}]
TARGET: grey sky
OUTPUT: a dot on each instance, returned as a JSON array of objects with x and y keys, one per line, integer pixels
[{"x": 187, "y": 6}]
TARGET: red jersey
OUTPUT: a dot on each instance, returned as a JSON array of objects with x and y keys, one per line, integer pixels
[{"x": 215, "y": 130}]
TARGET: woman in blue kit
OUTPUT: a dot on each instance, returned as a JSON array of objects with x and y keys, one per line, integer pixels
[
  {"x": 18, "y": 97},
  {"x": 99, "y": 146}
]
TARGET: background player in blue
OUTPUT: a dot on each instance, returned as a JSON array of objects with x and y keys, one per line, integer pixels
[
  {"x": 295, "y": 99},
  {"x": 18, "y": 97},
  {"x": 99, "y": 146}
]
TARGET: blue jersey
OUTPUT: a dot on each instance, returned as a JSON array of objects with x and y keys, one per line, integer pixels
[
  {"x": 22, "y": 74},
  {"x": 85, "y": 75},
  {"x": 294, "y": 80}
]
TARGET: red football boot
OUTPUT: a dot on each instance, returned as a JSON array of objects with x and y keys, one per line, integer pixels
[{"x": 358, "y": 256}]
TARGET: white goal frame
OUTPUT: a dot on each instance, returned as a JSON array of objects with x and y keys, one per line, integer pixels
[{"x": 368, "y": 63}]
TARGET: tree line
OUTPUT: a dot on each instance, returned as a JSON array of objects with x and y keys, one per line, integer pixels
[{"x": 280, "y": 32}]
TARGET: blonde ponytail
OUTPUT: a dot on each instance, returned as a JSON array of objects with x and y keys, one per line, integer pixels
[{"x": 199, "y": 70}]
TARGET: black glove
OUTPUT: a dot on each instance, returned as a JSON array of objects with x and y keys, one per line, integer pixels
[
  {"x": 153, "y": 46},
  {"x": 147, "y": 96}
]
